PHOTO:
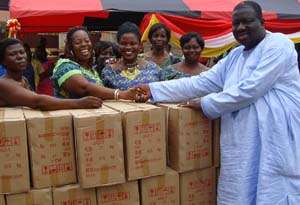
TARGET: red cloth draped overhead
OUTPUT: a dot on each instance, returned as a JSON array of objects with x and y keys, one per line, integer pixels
[{"x": 54, "y": 15}]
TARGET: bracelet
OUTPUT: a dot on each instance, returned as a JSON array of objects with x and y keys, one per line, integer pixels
[{"x": 116, "y": 94}]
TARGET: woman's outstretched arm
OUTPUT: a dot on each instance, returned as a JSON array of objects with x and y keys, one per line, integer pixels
[{"x": 12, "y": 94}]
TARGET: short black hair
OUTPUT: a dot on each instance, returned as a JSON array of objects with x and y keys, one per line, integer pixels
[
  {"x": 4, "y": 44},
  {"x": 128, "y": 27},
  {"x": 157, "y": 27},
  {"x": 188, "y": 36},
  {"x": 255, "y": 6},
  {"x": 102, "y": 45}
]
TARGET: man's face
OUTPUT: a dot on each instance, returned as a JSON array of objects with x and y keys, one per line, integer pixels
[{"x": 247, "y": 28}]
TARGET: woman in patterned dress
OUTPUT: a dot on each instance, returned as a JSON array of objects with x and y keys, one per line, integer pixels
[{"x": 130, "y": 70}]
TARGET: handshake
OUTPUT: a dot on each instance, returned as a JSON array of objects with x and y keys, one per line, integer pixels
[{"x": 140, "y": 93}]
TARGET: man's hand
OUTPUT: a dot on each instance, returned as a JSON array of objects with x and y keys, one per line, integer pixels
[{"x": 193, "y": 104}]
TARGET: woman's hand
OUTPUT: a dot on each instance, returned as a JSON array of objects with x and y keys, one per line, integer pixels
[
  {"x": 88, "y": 102},
  {"x": 138, "y": 94},
  {"x": 129, "y": 94}
]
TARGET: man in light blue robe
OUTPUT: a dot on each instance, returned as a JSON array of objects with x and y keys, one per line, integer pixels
[{"x": 256, "y": 92}]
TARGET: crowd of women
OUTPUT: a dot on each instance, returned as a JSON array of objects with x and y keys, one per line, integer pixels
[{"x": 105, "y": 70}]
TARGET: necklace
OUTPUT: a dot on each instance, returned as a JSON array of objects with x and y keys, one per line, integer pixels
[{"x": 131, "y": 67}]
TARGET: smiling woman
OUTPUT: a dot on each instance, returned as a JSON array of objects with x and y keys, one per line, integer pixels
[
  {"x": 131, "y": 70},
  {"x": 15, "y": 88},
  {"x": 192, "y": 45},
  {"x": 75, "y": 77}
]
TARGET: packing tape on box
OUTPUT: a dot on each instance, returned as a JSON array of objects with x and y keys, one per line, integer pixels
[
  {"x": 160, "y": 185},
  {"x": 2, "y": 200},
  {"x": 49, "y": 127},
  {"x": 145, "y": 121},
  {"x": 121, "y": 187},
  {"x": 104, "y": 172},
  {"x": 54, "y": 179},
  {"x": 6, "y": 184},
  {"x": 6, "y": 179},
  {"x": 2, "y": 124},
  {"x": 74, "y": 193},
  {"x": 161, "y": 181},
  {"x": 192, "y": 117},
  {"x": 29, "y": 197},
  {"x": 196, "y": 160}
]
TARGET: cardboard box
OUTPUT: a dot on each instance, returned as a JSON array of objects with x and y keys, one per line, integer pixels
[
  {"x": 99, "y": 146},
  {"x": 74, "y": 195},
  {"x": 2, "y": 200},
  {"x": 189, "y": 139},
  {"x": 144, "y": 132},
  {"x": 198, "y": 187},
  {"x": 216, "y": 142},
  {"x": 33, "y": 197},
  {"x": 14, "y": 166},
  {"x": 161, "y": 190},
  {"x": 120, "y": 194},
  {"x": 51, "y": 148}
]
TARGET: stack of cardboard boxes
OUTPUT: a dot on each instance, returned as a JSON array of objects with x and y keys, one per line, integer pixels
[
  {"x": 190, "y": 154},
  {"x": 14, "y": 166},
  {"x": 115, "y": 155}
]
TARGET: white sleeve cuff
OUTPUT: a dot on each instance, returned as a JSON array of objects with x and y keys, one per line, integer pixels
[{"x": 208, "y": 107}]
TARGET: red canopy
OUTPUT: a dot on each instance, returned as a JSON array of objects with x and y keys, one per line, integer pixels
[
  {"x": 54, "y": 15},
  {"x": 59, "y": 15}
]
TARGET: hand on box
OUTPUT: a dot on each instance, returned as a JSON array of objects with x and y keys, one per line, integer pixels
[
  {"x": 88, "y": 102},
  {"x": 193, "y": 104}
]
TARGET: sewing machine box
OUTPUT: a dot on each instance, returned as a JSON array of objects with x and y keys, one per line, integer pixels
[
  {"x": 33, "y": 197},
  {"x": 144, "y": 132},
  {"x": 120, "y": 194},
  {"x": 51, "y": 147},
  {"x": 198, "y": 187},
  {"x": 189, "y": 139},
  {"x": 99, "y": 146},
  {"x": 73, "y": 194},
  {"x": 14, "y": 166},
  {"x": 161, "y": 190}
]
